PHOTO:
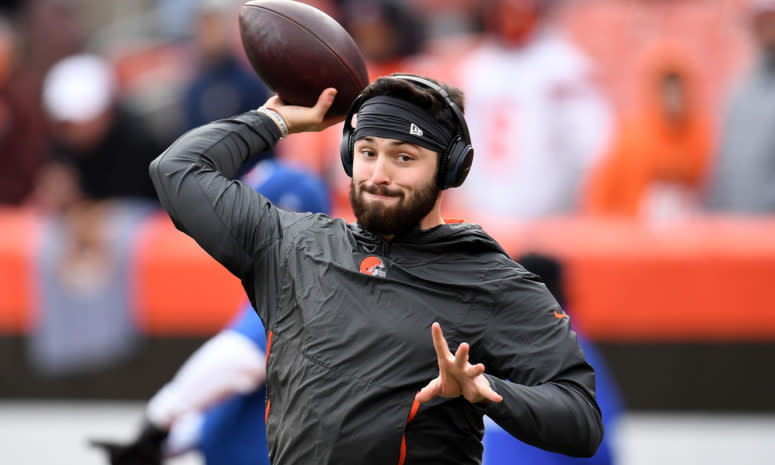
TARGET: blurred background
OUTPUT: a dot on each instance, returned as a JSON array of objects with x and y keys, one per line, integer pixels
[{"x": 629, "y": 142}]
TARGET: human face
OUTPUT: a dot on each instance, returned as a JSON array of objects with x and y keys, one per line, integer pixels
[
  {"x": 394, "y": 186},
  {"x": 514, "y": 21},
  {"x": 673, "y": 97}
]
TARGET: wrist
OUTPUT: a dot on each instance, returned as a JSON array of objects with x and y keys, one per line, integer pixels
[{"x": 277, "y": 118}]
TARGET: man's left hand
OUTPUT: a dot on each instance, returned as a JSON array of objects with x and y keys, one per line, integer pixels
[{"x": 457, "y": 377}]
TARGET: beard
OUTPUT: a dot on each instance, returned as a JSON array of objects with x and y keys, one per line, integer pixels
[{"x": 392, "y": 220}]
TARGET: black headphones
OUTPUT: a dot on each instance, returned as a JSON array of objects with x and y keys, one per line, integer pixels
[{"x": 455, "y": 162}]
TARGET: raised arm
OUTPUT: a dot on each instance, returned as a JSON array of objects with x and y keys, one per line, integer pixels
[{"x": 193, "y": 180}]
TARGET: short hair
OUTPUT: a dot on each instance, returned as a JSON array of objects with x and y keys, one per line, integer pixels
[{"x": 426, "y": 98}]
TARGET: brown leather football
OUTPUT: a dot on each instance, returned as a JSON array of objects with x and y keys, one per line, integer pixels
[{"x": 297, "y": 50}]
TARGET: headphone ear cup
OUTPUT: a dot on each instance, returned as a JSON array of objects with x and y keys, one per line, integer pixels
[
  {"x": 346, "y": 151},
  {"x": 348, "y": 132},
  {"x": 459, "y": 160}
]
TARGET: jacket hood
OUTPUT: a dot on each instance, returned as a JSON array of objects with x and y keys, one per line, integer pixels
[
  {"x": 658, "y": 61},
  {"x": 441, "y": 238}
]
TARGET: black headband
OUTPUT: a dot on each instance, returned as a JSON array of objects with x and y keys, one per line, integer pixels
[{"x": 393, "y": 118}]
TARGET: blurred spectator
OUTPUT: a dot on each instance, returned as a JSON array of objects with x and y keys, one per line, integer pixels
[
  {"x": 743, "y": 179},
  {"x": 99, "y": 190},
  {"x": 660, "y": 153},
  {"x": 21, "y": 141},
  {"x": 387, "y": 32},
  {"x": 447, "y": 18},
  {"x": 103, "y": 146},
  {"x": 536, "y": 118},
  {"x": 215, "y": 402},
  {"x": 50, "y": 30},
  {"x": 36, "y": 34},
  {"x": 501, "y": 448},
  {"x": 223, "y": 84}
]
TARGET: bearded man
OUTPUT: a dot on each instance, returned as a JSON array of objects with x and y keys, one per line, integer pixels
[{"x": 353, "y": 376}]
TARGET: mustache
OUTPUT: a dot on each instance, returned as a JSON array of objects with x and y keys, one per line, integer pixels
[{"x": 381, "y": 190}]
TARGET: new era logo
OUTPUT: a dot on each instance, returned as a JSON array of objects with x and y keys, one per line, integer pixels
[{"x": 415, "y": 130}]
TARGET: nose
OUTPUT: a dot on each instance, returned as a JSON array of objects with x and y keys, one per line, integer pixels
[{"x": 381, "y": 173}]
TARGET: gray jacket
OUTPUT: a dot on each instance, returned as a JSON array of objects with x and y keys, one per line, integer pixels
[{"x": 348, "y": 317}]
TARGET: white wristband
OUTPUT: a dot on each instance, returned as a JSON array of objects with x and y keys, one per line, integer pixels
[{"x": 278, "y": 120}]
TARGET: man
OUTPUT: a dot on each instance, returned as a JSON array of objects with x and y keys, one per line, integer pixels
[
  {"x": 97, "y": 190},
  {"x": 352, "y": 375},
  {"x": 742, "y": 178}
]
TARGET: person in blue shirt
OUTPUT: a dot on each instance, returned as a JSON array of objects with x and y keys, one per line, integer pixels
[
  {"x": 215, "y": 403},
  {"x": 232, "y": 432},
  {"x": 223, "y": 83}
]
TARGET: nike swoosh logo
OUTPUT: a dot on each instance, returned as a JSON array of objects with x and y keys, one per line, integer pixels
[{"x": 559, "y": 315}]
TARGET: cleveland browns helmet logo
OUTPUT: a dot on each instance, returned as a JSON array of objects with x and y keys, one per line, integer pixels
[{"x": 373, "y": 266}]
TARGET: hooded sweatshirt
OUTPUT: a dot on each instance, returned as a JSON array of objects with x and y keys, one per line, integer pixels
[
  {"x": 348, "y": 319},
  {"x": 650, "y": 150}
]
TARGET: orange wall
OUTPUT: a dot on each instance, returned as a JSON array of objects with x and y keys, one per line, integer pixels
[{"x": 708, "y": 279}]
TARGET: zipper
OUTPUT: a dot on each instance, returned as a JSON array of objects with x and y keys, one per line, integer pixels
[{"x": 385, "y": 248}]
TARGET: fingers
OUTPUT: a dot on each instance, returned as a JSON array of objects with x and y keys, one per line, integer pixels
[
  {"x": 491, "y": 395},
  {"x": 325, "y": 100},
  {"x": 456, "y": 375},
  {"x": 484, "y": 389},
  {"x": 474, "y": 370},
  {"x": 461, "y": 355},
  {"x": 443, "y": 353},
  {"x": 430, "y": 391},
  {"x": 439, "y": 343},
  {"x": 442, "y": 348},
  {"x": 274, "y": 102}
]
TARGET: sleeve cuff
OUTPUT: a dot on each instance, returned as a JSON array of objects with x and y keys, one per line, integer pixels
[{"x": 262, "y": 123}]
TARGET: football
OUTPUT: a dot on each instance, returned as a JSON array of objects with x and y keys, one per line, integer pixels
[{"x": 298, "y": 50}]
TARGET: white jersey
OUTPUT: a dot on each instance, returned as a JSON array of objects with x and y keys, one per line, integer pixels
[{"x": 537, "y": 125}]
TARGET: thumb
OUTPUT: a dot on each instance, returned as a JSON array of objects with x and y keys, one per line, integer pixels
[
  {"x": 325, "y": 100},
  {"x": 430, "y": 391}
]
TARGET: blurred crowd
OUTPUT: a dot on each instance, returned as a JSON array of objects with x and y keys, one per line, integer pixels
[{"x": 598, "y": 107}]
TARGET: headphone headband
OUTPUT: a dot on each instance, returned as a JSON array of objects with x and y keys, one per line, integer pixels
[
  {"x": 455, "y": 108},
  {"x": 454, "y": 163}
]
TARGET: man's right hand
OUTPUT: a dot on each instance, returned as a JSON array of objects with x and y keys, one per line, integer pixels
[{"x": 303, "y": 119}]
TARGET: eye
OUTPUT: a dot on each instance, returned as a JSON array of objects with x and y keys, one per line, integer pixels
[
  {"x": 368, "y": 153},
  {"x": 404, "y": 157}
]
